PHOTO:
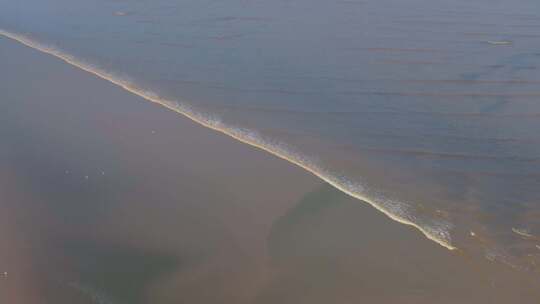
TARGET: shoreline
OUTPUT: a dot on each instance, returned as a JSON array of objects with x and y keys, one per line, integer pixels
[
  {"x": 105, "y": 195},
  {"x": 440, "y": 237}
]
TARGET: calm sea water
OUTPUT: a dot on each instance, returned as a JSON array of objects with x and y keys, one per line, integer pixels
[{"x": 429, "y": 109}]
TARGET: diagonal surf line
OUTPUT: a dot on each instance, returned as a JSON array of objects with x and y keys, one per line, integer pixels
[{"x": 394, "y": 210}]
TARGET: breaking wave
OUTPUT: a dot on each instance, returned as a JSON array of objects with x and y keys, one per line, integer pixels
[{"x": 437, "y": 231}]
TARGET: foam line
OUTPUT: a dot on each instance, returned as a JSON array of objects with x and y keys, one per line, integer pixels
[{"x": 393, "y": 209}]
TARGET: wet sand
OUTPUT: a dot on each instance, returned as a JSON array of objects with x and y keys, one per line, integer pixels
[{"x": 107, "y": 198}]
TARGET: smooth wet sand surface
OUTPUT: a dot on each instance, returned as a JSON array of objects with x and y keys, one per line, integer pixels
[{"x": 106, "y": 198}]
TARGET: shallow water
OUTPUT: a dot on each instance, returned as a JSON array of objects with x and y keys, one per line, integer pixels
[{"x": 426, "y": 108}]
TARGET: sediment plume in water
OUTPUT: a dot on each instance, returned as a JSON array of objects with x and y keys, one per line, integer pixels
[{"x": 397, "y": 211}]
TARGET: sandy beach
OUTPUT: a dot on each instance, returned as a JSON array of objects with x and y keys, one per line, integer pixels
[{"x": 107, "y": 198}]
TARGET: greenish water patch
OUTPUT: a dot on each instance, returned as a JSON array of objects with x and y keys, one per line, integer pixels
[
  {"x": 121, "y": 273},
  {"x": 286, "y": 236}
]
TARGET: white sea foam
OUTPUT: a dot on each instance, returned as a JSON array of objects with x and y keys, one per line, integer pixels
[
  {"x": 522, "y": 232},
  {"x": 437, "y": 231}
]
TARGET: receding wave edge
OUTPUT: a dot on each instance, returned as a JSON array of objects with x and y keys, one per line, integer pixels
[{"x": 393, "y": 209}]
